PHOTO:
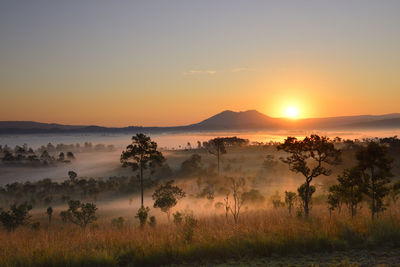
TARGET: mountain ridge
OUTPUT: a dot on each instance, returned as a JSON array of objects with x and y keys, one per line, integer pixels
[{"x": 225, "y": 120}]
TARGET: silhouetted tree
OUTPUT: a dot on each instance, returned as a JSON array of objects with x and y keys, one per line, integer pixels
[
  {"x": 290, "y": 197},
  {"x": 309, "y": 157},
  {"x": 142, "y": 215},
  {"x": 305, "y": 195},
  {"x": 166, "y": 196},
  {"x": 216, "y": 147},
  {"x": 375, "y": 167},
  {"x": 72, "y": 175},
  {"x": 395, "y": 192},
  {"x": 61, "y": 157},
  {"x": 16, "y": 216},
  {"x": 79, "y": 213},
  {"x": 49, "y": 212},
  {"x": 350, "y": 189},
  {"x": 141, "y": 154},
  {"x": 237, "y": 187},
  {"x": 70, "y": 155}
]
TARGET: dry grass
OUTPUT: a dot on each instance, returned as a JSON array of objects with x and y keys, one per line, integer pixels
[{"x": 259, "y": 233}]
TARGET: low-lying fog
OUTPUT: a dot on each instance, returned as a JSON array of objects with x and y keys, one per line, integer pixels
[{"x": 105, "y": 164}]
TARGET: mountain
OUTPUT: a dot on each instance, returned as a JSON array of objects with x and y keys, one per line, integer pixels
[
  {"x": 226, "y": 120},
  {"x": 250, "y": 119}
]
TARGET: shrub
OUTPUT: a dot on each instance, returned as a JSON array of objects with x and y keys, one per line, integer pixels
[{"x": 142, "y": 215}]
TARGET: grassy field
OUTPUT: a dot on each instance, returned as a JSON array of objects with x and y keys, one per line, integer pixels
[{"x": 260, "y": 237}]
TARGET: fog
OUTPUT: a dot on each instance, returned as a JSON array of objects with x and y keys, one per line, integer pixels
[{"x": 269, "y": 176}]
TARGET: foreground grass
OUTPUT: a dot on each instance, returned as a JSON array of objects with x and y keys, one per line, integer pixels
[{"x": 259, "y": 234}]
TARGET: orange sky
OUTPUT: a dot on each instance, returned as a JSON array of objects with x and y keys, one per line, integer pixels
[{"x": 170, "y": 63}]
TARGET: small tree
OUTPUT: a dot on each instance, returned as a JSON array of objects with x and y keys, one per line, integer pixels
[
  {"x": 16, "y": 216},
  {"x": 310, "y": 157},
  {"x": 72, "y": 175},
  {"x": 152, "y": 221},
  {"x": 237, "y": 187},
  {"x": 140, "y": 155},
  {"x": 290, "y": 198},
  {"x": 305, "y": 195},
  {"x": 49, "y": 213},
  {"x": 167, "y": 196},
  {"x": 70, "y": 155},
  {"x": 142, "y": 215},
  {"x": 335, "y": 198},
  {"x": 351, "y": 189},
  {"x": 375, "y": 167},
  {"x": 395, "y": 192},
  {"x": 80, "y": 214}
]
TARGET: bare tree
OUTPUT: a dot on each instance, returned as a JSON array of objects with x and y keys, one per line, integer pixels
[{"x": 237, "y": 187}]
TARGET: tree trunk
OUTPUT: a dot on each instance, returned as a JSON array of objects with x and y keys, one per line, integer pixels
[
  {"x": 218, "y": 158},
  {"x": 141, "y": 185},
  {"x": 373, "y": 208},
  {"x": 306, "y": 200}
]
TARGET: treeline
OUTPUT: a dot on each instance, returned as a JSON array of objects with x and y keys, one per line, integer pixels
[{"x": 48, "y": 155}]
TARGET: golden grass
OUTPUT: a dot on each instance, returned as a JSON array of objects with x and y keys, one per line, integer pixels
[{"x": 259, "y": 233}]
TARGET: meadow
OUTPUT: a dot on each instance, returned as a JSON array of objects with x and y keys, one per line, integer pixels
[{"x": 202, "y": 229}]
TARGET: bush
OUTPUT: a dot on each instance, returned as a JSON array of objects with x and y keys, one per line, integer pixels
[
  {"x": 188, "y": 227},
  {"x": 178, "y": 218},
  {"x": 16, "y": 216},
  {"x": 142, "y": 215},
  {"x": 152, "y": 221}
]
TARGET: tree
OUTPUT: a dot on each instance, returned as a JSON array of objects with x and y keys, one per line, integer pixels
[
  {"x": 80, "y": 214},
  {"x": 395, "y": 192},
  {"x": 216, "y": 147},
  {"x": 142, "y": 215},
  {"x": 290, "y": 197},
  {"x": 49, "y": 212},
  {"x": 167, "y": 196},
  {"x": 141, "y": 154},
  {"x": 310, "y": 157},
  {"x": 72, "y": 175},
  {"x": 335, "y": 198},
  {"x": 191, "y": 165},
  {"x": 61, "y": 157},
  {"x": 16, "y": 216},
  {"x": 375, "y": 167},
  {"x": 237, "y": 187},
  {"x": 349, "y": 190},
  {"x": 305, "y": 195},
  {"x": 70, "y": 155}
]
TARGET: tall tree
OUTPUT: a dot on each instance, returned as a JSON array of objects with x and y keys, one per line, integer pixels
[
  {"x": 375, "y": 167},
  {"x": 217, "y": 146},
  {"x": 141, "y": 154},
  {"x": 310, "y": 157}
]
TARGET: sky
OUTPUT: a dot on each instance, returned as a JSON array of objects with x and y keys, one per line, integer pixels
[{"x": 119, "y": 63}]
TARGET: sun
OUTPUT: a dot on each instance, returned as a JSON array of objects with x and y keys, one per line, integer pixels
[{"x": 292, "y": 112}]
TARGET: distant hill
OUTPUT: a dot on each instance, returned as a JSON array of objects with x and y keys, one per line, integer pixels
[
  {"x": 250, "y": 119},
  {"x": 226, "y": 120}
]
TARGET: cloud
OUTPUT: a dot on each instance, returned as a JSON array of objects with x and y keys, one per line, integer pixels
[{"x": 192, "y": 72}]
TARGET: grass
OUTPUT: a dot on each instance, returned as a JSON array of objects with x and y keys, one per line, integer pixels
[{"x": 262, "y": 233}]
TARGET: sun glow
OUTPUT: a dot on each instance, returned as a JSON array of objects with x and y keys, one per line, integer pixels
[{"x": 292, "y": 112}]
